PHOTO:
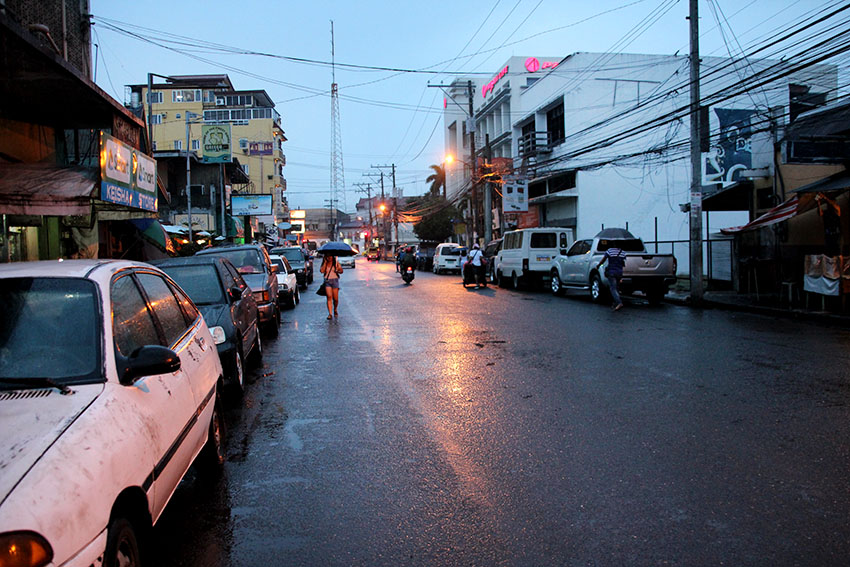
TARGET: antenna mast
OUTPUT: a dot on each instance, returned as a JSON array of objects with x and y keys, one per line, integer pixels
[{"x": 337, "y": 172}]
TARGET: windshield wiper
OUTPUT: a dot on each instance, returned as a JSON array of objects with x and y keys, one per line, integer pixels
[{"x": 40, "y": 382}]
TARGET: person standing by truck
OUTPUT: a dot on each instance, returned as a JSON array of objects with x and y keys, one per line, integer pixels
[{"x": 616, "y": 258}]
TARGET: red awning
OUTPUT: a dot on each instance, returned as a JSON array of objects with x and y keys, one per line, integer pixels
[
  {"x": 777, "y": 214},
  {"x": 46, "y": 189}
]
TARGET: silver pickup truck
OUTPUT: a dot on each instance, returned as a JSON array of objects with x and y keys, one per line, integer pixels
[{"x": 651, "y": 274}]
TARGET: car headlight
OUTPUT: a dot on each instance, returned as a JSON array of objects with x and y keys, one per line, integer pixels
[
  {"x": 300, "y": 271},
  {"x": 284, "y": 287},
  {"x": 24, "y": 549},
  {"x": 218, "y": 335}
]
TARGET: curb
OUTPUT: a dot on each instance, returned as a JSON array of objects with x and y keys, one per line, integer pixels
[{"x": 800, "y": 314}]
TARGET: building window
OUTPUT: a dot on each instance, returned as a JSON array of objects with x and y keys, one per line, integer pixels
[
  {"x": 157, "y": 118},
  {"x": 178, "y": 144},
  {"x": 189, "y": 95},
  {"x": 156, "y": 98},
  {"x": 196, "y": 144},
  {"x": 246, "y": 169},
  {"x": 235, "y": 100},
  {"x": 555, "y": 124},
  {"x": 209, "y": 96}
]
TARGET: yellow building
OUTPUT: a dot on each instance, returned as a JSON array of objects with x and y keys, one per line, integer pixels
[{"x": 256, "y": 132}]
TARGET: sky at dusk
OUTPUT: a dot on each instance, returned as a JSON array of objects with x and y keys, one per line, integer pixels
[{"x": 392, "y": 116}]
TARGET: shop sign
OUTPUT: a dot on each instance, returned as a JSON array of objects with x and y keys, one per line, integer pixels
[
  {"x": 514, "y": 194},
  {"x": 261, "y": 148},
  {"x": 533, "y": 64},
  {"x": 127, "y": 176},
  {"x": 217, "y": 143},
  {"x": 492, "y": 84},
  {"x": 200, "y": 221}
]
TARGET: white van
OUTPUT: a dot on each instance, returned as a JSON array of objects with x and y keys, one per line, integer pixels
[
  {"x": 526, "y": 254},
  {"x": 447, "y": 258}
]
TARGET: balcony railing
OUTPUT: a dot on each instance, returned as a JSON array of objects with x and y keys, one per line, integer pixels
[{"x": 534, "y": 143}]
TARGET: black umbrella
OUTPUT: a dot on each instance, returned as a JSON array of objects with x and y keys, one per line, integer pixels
[
  {"x": 615, "y": 234},
  {"x": 336, "y": 249}
]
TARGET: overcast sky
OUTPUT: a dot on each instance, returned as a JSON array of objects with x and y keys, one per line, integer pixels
[{"x": 386, "y": 116}]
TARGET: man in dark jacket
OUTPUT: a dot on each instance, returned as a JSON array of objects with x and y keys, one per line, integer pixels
[
  {"x": 614, "y": 272},
  {"x": 408, "y": 259}
]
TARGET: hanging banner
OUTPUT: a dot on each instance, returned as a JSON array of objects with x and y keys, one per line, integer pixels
[
  {"x": 515, "y": 195},
  {"x": 216, "y": 142},
  {"x": 127, "y": 176}
]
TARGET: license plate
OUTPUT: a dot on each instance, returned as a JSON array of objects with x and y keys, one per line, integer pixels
[{"x": 543, "y": 258}]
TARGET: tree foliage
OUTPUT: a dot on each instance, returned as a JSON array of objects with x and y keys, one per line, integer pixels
[
  {"x": 437, "y": 214},
  {"x": 437, "y": 179}
]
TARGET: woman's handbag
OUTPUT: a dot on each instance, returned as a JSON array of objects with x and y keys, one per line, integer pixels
[{"x": 322, "y": 291}]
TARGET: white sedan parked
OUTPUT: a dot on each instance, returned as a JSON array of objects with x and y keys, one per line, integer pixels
[{"x": 108, "y": 385}]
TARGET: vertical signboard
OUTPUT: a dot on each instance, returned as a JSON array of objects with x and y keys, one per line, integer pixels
[
  {"x": 515, "y": 195},
  {"x": 127, "y": 176},
  {"x": 216, "y": 140}
]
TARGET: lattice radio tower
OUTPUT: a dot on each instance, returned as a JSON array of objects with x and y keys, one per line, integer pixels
[{"x": 337, "y": 172}]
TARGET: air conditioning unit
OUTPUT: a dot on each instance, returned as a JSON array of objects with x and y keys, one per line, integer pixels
[
  {"x": 220, "y": 101},
  {"x": 243, "y": 144}
]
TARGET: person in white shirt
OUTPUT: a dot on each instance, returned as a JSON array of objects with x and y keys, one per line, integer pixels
[{"x": 476, "y": 256}]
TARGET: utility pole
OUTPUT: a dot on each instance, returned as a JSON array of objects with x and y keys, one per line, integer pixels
[
  {"x": 337, "y": 170},
  {"x": 696, "y": 169},
  {"x": 473, "y": 195},
  {"x": 368, "y": 191},
  {"x": 395, "y": 195},
  {"x": 189, "y": 176},
  {"x": 488, "y": 194}
]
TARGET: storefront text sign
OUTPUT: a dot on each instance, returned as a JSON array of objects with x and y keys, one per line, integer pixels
[
  {"x": 217, "y": 143},
  {"x": 127, "y": 176},
  {"x": 533, "y": 64},
  {"x": 492, "y": 84}
]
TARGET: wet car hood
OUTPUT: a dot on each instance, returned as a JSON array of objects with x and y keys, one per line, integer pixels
[
  {"x": 215, "y": 314},
  {"x": 297, "y": 265},
  {"x": 33, "y": 424},
  {"x": 256, "y": 281}
]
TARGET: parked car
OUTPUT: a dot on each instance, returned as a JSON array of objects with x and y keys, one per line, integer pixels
[
  {"x": 447, "y": 258},
  {"x": 526, "y": 255},
  {"x": 347, "y": 262},
  {"x": 651, "y": 274},
  {"x": 491, "y": 253},
  {"x": 287, "y": 282},
  {"x": 425, "y": 258},
  {"x": 373, "y": 254},
  {"x": 253, "y": 263},
  {"x": 110, "y": 392},
  {"x": 228, "y": 307},
  {"x": 300, "y": 261}
]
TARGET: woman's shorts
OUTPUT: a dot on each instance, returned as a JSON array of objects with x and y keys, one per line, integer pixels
[{"x": 334, "y": 283}]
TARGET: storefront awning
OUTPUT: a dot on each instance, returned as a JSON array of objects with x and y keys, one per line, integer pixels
[
  {"x": 838, "y": 182},
  {"x": 777, "y": 214},
  {"x": 46, "y": 189}
]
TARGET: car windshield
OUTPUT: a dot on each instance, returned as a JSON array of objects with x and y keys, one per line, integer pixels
[
  {"x": 200, "y": 282},
  {"x": 246, "y": 261},
  {"x": 291, "y": 254},
  {"x": 543, "y": 240},
  {"x": 50, "y": 328}
]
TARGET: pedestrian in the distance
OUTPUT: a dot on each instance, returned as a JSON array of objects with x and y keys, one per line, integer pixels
[
  {"x": 331, "y": 270},
  {"x": 616, "y": 258},
  {"x": 476, "y": 257}
]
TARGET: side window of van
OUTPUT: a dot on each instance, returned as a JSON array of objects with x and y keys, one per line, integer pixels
[
  {"x": 543, "y": 240},
  {"x": 518, "y": 241}
]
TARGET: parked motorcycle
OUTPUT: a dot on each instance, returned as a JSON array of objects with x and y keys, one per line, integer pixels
[{"x": 407, "y": 276}]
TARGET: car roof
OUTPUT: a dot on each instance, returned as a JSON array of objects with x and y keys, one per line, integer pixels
[
  {"x": 64, "y": 268},
  {"x": 229, "y": 247},
  {"x": 189, "y": 261}
]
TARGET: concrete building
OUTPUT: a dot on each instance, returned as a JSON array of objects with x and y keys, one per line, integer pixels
[
  {"x": 256, "y": 136},
  {"x": 602, "y": 139}
]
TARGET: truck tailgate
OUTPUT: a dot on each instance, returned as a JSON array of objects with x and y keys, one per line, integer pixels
[{"x": 638, "y": 264}]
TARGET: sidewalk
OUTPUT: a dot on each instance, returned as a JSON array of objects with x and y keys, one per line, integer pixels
[{"x": 769, "y": 304}]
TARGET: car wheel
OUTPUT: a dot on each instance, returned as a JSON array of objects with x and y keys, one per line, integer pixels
[
  {"x": 297, "y": 296},
  {"x": 257, "y": 353},
  {"x": 514, "y": 280},
  {"x": 122, "y": 546},
  {"x": 212, "y": 456},
  {"x": 655, "y": 296},
  {"x": 596, "y": 290},
  {"x": 557, "y": 287},
  {"x": 237, "y": 380}
]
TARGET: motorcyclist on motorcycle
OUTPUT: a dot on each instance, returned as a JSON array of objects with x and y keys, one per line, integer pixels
[{"x": 408, "y": 259}]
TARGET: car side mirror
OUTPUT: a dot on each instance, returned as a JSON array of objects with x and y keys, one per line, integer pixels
[
  {"x": 149, "y": 360},
  {"x": 275, "y": 269},
  {"x": 563, "y": 251},
  {"x": 235, "y": 293}
]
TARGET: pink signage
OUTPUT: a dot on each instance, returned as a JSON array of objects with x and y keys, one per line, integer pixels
[
  {"x": 533, "y": 64},
  {"x": 492, "y": 84}
]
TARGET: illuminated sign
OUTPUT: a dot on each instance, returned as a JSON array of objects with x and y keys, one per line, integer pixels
[
  {"x": 297, "y": 214},
  {"x": 492, "y": 84},
  {"x": 251, "y": 205},
  {"x": 127, "y": 176},
  {"x": 532, "y": 64}
]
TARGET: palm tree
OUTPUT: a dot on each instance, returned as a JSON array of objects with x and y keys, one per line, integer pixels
[{"x": 437, "y": 180}]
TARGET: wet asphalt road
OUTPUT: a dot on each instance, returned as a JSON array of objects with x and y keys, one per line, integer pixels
[{"x": 433, "y": 425}]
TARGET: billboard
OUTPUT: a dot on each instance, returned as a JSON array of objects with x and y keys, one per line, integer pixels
[
  {"x": 731, "y": 150},
  {"x": 250, "y": 205},
  {"x": 217, "y": 143},
  {"x": 127, "y": 176}
]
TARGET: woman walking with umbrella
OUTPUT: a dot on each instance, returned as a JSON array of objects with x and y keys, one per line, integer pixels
[{"x": 331, "y": 270}]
